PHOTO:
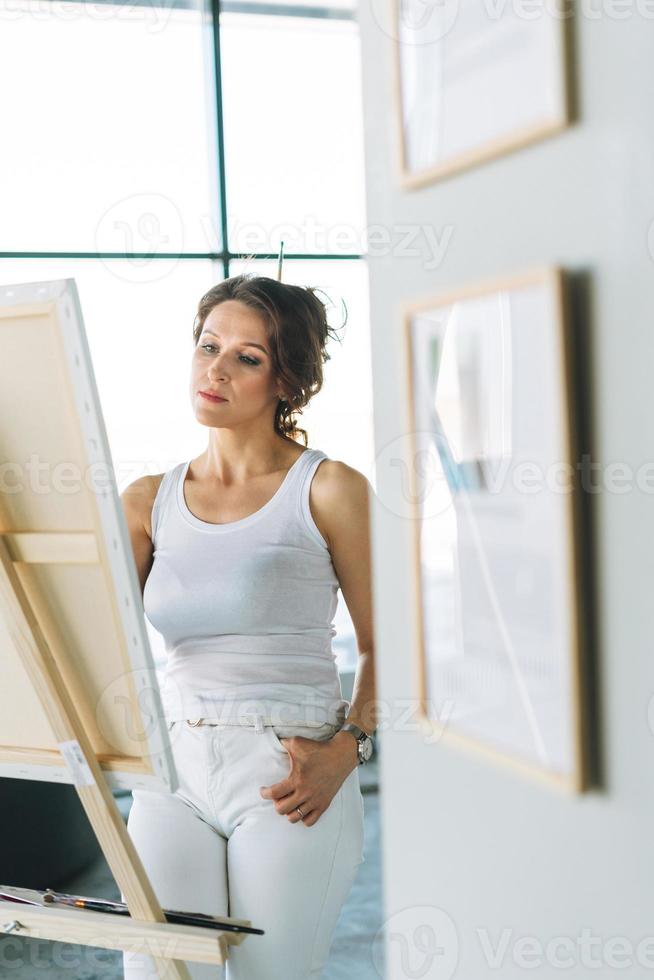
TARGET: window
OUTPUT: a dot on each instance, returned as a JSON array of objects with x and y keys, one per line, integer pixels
[{"x": 153, "y": 150}]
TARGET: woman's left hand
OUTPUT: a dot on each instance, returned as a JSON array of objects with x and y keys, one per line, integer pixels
[{"x": 318, "y": 770}]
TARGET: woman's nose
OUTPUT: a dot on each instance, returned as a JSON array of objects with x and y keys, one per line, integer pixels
[{"x": 216, "y": 368}]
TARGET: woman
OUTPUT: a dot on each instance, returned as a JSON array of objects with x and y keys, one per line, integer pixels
[{"x": 240, "y": 554}]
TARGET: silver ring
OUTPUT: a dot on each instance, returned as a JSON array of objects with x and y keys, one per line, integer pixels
[{"x": 299, "y": 811}]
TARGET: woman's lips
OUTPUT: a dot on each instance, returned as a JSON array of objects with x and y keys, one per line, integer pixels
[{"x": 212, "y": 398}]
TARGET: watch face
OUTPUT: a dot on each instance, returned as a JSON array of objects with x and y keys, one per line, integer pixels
[{"x": 366, "y": 748}]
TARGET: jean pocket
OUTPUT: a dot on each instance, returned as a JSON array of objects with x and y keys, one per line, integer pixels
[
  {"x": 276, "y": 739},
  {"x": 320, "y": 733}
]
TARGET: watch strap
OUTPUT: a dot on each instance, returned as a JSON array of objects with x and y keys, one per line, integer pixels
[
  {"x": 360, "y": 736},
  {"x": 349, "y": 727}
]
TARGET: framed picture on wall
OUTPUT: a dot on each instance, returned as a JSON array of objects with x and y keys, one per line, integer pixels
[
  {"x": 476, "y": 80},
  {"x": 494, "y": 497}
]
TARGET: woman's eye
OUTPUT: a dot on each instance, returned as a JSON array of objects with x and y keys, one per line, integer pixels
[{"x": 248, "y": 360}]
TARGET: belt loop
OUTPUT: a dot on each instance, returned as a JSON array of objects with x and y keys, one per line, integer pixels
[{"x": 258, "y": 724}]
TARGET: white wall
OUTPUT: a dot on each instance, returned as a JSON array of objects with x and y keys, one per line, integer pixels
[{"x": 492, "y": 849}]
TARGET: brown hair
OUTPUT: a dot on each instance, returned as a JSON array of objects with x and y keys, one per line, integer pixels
[{"x": 297, "y": 328}]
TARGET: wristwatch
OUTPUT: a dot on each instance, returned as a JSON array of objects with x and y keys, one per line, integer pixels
[{"x": 364, "y": 742}]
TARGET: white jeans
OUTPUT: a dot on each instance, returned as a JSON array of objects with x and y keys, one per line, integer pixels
[{"x": 216, "y": 846}]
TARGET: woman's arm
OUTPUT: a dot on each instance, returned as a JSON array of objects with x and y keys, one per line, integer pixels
[
  {"x": 340, "y": 505},
  {"x": 137, "y": 506}
]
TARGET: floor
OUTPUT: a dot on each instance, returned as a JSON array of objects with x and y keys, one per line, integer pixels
[{"x": 357, "y": 950}]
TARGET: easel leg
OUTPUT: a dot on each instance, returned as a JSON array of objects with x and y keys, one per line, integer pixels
[{"x": 94, "y": 793}]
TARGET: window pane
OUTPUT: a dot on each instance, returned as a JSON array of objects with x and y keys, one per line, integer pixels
[
  {"x": 293, "y": 134},
  {"x": 108, "y": 132},
  {"x": 141, "y": 342}
]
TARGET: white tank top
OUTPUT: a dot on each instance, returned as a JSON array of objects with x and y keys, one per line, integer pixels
[{"x": 246, "y": 608}]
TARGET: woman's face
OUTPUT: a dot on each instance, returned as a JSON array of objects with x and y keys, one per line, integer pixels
[{"x": 232, "y": 359}]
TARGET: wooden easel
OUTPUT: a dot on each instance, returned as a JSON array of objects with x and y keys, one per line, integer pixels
[{"x": 75, "y": 653}]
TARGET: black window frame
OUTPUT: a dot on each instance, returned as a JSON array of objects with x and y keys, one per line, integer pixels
[{"x": 212, "y": 9}]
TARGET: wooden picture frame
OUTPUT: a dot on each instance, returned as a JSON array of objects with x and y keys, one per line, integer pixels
[
  {"x": 445, "y": 128},
  {"x": 499, "y": 602}
]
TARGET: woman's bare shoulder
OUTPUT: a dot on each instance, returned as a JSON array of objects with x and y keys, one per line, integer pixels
[
  {"x": 139, "y": 497},
  {"x": 335, "y": 475},
  {"x": 337, "y": 488}
]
